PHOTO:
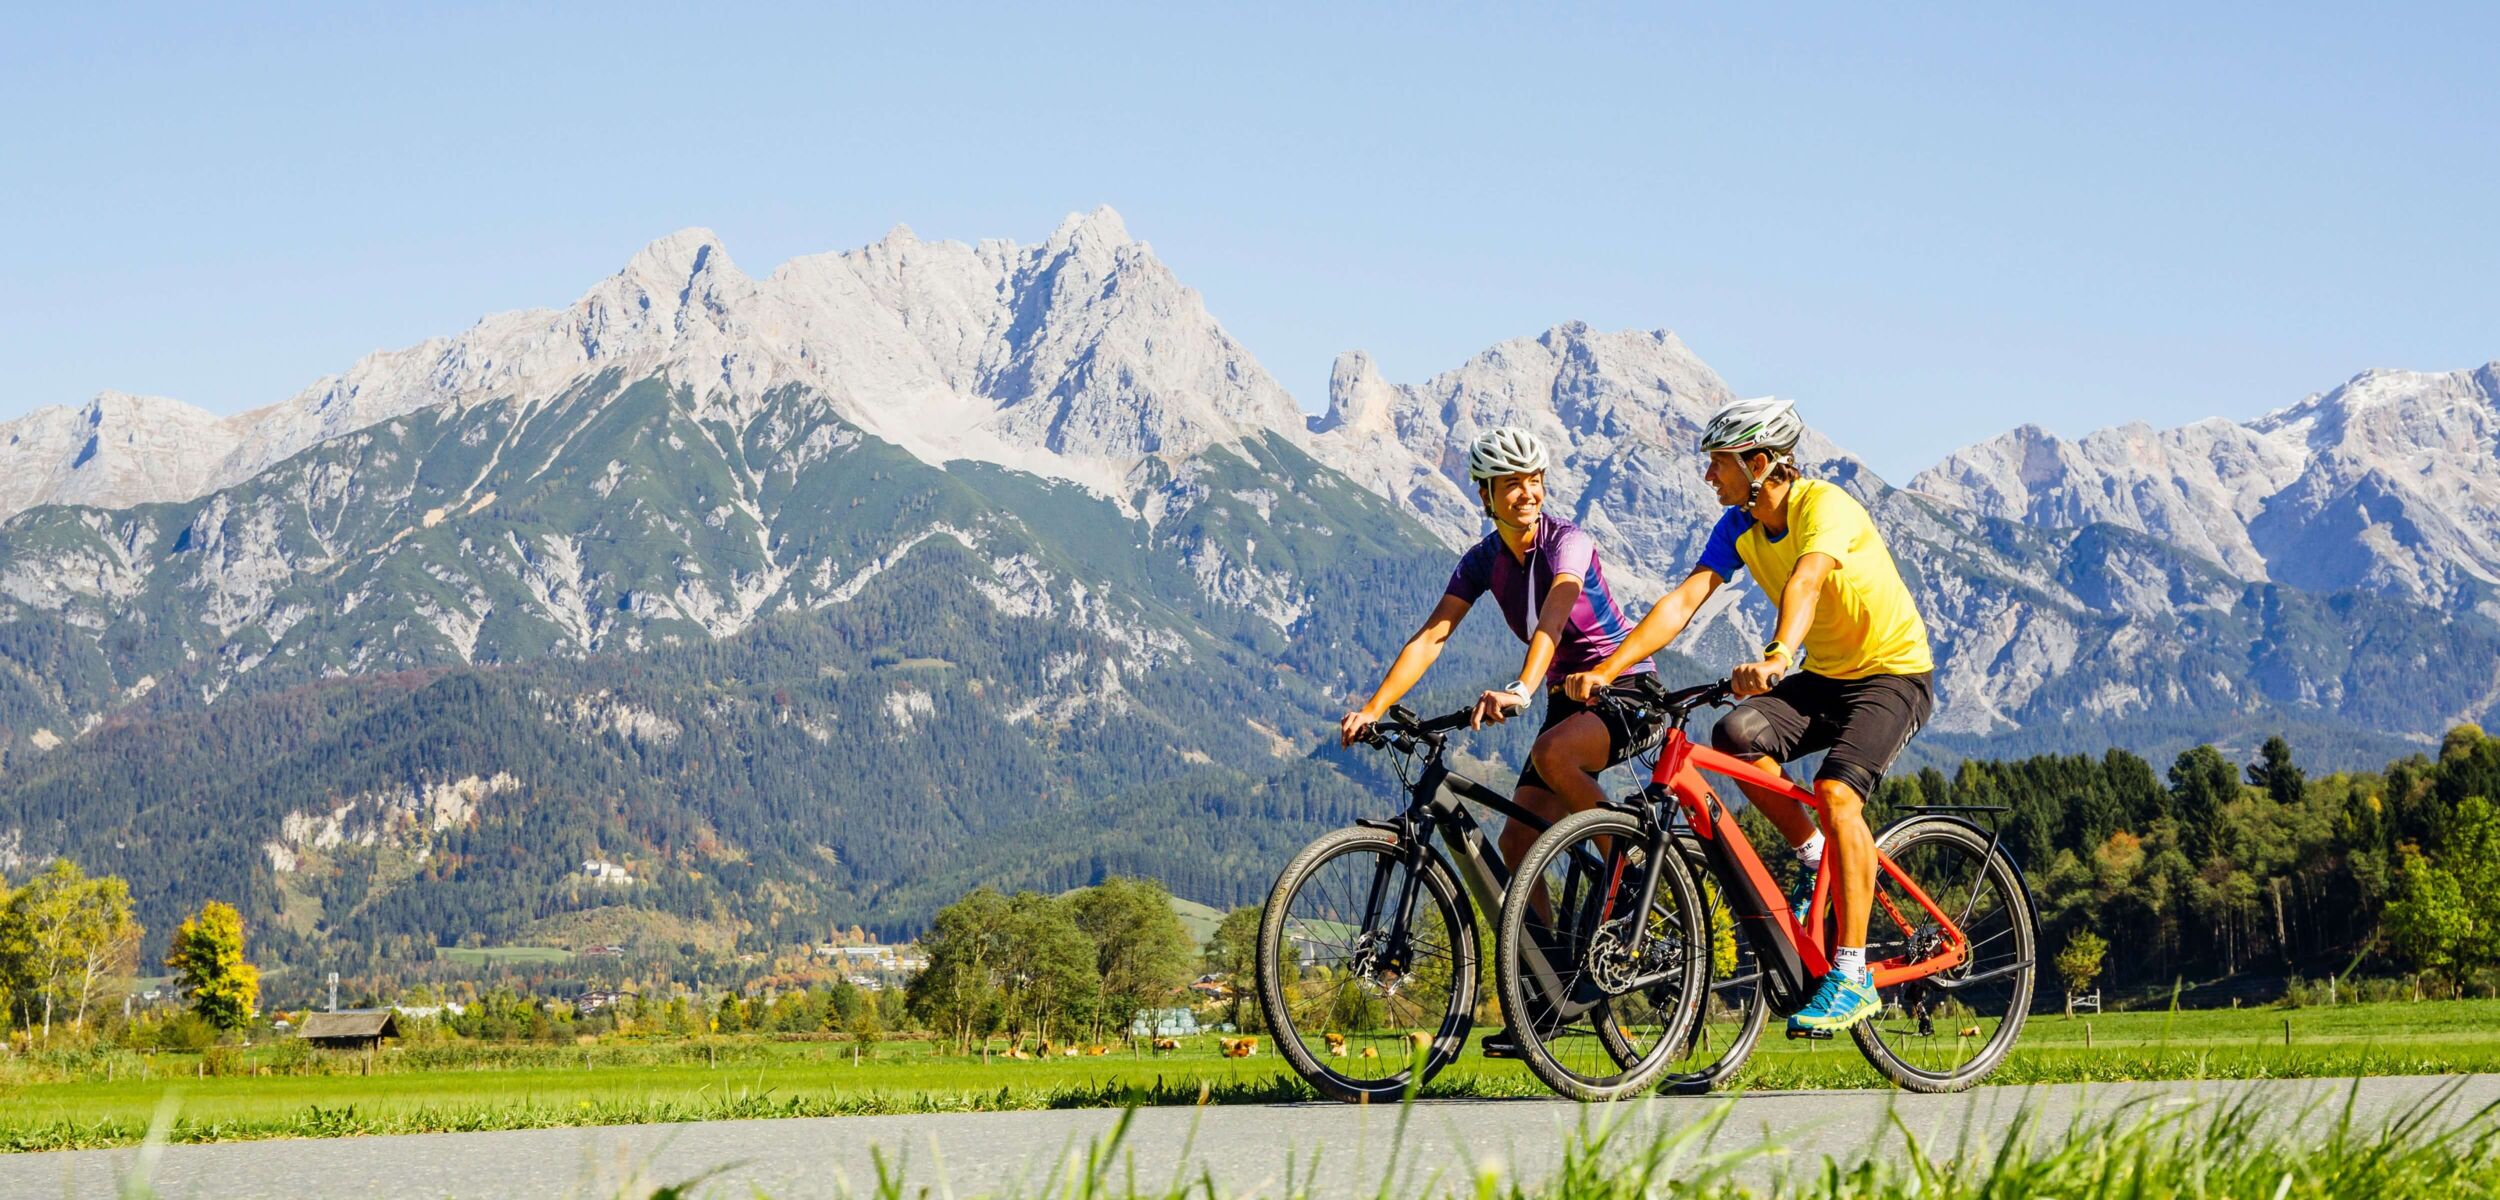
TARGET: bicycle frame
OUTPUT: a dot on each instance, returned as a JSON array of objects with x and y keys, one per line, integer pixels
[
  {"x": 1435, "y": 806},
  {"x": 1792, "y": 954}
]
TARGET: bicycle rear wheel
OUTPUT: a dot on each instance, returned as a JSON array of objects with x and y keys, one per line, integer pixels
[
  {"x": 1948, "y": 1031},
  {"x": 1602, "y": 1020},
  {"x": 1363, "y": 959}
]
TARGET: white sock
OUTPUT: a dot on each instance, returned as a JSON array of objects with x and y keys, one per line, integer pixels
[
  {"x": 1850, "y": 959},
  {"x": 1810, "y": 852}
]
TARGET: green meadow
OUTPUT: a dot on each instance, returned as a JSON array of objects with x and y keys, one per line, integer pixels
[{"x": 108, "y": 1098}]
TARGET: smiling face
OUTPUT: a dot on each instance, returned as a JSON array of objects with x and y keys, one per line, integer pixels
[
  {"x": 1514, "y": 500},
  {"x": 1725, "y": 473}
]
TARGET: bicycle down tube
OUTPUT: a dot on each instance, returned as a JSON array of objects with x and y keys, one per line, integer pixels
[{"x": 1438, "y": 793}]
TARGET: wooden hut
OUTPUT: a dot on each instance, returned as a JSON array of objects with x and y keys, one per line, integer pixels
[{"x": 352, "y": 1029}]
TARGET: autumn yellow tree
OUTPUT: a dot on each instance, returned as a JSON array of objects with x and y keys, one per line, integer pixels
[{"x": 207, "y": 956}]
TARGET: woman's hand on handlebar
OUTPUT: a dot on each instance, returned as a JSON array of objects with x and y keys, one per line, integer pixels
[
  {"x": 1496, "y": 706},
  {"x": 1585, "y": 684},
  {"x": 1355, "y": 726}
]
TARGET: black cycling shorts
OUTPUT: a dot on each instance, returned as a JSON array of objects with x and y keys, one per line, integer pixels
[
  {"x": 1625, "y": 735},
  {"x": 1864, "y": 723}
]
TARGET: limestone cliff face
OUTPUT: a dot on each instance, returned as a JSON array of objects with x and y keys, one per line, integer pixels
[{"x": 2389, "y": 483}]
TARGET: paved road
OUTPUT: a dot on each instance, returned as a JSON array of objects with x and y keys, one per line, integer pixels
[{"x": 1243, "y": 1148}]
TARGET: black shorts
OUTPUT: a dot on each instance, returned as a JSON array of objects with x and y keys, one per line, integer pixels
[
  {"x": 1625, "y": 735},
  {"x": 1864, "y": 723}
]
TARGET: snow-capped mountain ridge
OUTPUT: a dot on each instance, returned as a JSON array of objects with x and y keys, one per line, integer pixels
[
  {"x": 2390, "y": 482},
  {"x": 656, "y": 461},
  {"x": 1076, "y": 358}
]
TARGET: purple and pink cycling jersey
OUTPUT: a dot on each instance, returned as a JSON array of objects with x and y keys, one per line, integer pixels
[{"x": 1596, "y": 626}]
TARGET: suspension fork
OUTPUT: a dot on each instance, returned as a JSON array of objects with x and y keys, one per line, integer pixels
[
  {"x": 1409, "y": 864},
  {"x": 1660, "y": 842}
]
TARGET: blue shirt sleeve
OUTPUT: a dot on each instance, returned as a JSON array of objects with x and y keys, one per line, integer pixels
[
  {"x": 1719, "y": 553},
  {"x": 1473, "y": 576}
]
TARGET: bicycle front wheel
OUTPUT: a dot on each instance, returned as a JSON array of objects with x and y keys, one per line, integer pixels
[
  {"x": 1367, "y": 965},
  {"x": 1947, "y": 1031},
  {"x": 1601, "y": 994}
]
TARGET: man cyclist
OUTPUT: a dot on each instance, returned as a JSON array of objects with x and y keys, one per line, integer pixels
[
  {"x": 1847, "y": 670},
  {"x": 1544, "y": 573}
]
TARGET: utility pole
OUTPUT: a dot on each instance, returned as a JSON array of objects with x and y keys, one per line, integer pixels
[{"x": 334, "y": 991}]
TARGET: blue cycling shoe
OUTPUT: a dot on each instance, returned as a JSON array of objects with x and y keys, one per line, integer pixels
[{"x": 1842, "y": 1001}]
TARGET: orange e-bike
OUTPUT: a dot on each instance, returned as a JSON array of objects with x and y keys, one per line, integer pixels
[{"x": 1629, "y": 894}]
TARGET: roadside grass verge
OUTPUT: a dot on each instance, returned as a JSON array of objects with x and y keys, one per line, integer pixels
[
  {"x": 108, "y": 1098},
  {"x": 2243, "y": 1148}
]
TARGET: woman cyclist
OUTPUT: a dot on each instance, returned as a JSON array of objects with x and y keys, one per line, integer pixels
[{"x": 1544, "y": 573}]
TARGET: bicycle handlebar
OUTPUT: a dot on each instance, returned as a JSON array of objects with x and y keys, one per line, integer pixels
[{"x": 1401, "y": 727}]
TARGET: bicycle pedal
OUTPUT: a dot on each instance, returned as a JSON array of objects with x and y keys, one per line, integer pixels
[{"x": 1809, "y": 1035}]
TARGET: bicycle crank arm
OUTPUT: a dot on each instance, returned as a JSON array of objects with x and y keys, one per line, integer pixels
[{"x": 1951, "y": 985}]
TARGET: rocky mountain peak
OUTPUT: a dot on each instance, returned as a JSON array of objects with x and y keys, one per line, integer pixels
[
  {"x": 1358, "y": 398},
  {"x": 673, "y": 263},
  {"x": 1076, "y": 358},
  {"x": 117, "y": 443},
  {"x": 1098, "y": 229},
  {"x": 2386, "y": 483}
]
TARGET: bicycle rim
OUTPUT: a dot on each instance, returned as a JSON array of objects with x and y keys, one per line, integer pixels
[
  {"x": 1353, "y": 997},
  {"x": 1947, "y": 1032},
  {"x": 1574, "y": 899}
]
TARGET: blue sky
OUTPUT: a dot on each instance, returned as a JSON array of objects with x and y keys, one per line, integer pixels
[{"x": 1925, "y": 224}]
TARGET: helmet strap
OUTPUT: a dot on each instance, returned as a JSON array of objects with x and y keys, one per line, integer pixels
[{"x": 1771, "y": 460}]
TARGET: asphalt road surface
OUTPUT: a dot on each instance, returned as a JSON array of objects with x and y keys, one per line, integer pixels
[{"x": 1266, "y": 1150}]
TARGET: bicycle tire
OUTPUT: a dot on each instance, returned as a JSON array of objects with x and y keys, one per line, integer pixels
[
  {"x": 1294, "y": 1043},
  {"x": 1637, "y": 1067},
  {"x": 2012, "y": 920}
]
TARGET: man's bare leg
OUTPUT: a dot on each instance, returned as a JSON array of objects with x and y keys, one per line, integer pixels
[
  {"x": 1853, "y": 854},
  {"x": 1794, "y": 822}
]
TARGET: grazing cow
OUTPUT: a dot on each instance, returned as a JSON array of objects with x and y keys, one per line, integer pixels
[
  {"x": 1097, "y": 1050},
  {"x": 1240, "y": 1047},
  {"x": 1163, "y": 1044},
  {"x": 1419, "y": 1041},
  {"x": 1970, "y": 1031},
  {"x": 1336, "y": 1043},
  {"x": 1370, "y": 1052}
]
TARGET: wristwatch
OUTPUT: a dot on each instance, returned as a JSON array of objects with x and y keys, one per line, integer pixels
[
  {"x": 1779, "y": 649},
  {"x": 1520, "y": 688}
]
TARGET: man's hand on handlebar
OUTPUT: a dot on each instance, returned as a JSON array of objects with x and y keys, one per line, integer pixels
[
  {"x": 1755, "y": 678},
  {"x": 1354, "y": 726},
  {"x": 1585, "y": 684},
  {"x": 1495, "y": 706}
]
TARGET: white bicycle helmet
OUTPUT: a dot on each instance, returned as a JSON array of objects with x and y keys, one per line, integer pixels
[
  {"x": 1766, "y": 424},
  {"x": 1763, "y": 423},
  {"x": 1507, "y": 450}
]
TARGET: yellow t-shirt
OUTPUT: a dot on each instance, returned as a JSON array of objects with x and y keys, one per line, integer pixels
[{"x": 1865, "y": 623}]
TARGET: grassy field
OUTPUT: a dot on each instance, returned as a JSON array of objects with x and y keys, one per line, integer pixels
[
  {"x": 478, "y": 956},
  {"x": 505, "y": 1087}
]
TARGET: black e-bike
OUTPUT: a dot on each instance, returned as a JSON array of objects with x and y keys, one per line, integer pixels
[{"x": 1369, "y": 948}]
